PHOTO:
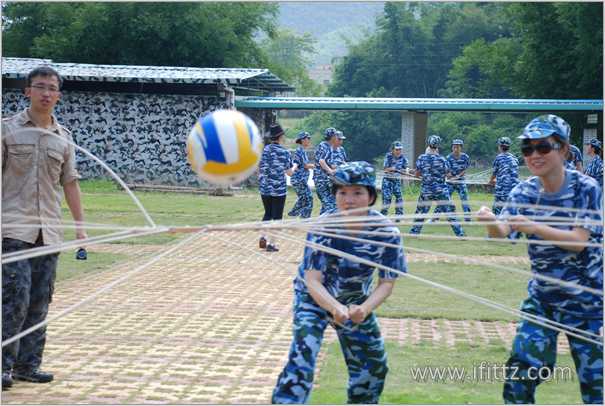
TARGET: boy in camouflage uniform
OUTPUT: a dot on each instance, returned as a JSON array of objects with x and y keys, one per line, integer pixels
[
  {"x": 432, "y": 168},
  {"x": 594, "y": 169},
  {"x": 300, "y": 178},
  {"x": 545, "y": 145},
  {"x": 330, "y": 289},
  {"x": 36, "y": 168},
  {"x": 394, "y": 165},
  {"x": 505, "y": 174},
  {"x": 323, "y": 171},
  {"x": 459, "y": 163}
]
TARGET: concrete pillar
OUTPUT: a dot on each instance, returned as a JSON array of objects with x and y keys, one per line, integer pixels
[{"x": 413, "y": 134}]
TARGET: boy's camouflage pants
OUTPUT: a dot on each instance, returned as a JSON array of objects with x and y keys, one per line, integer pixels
[
  {"x": 462, "y": 191},
  {"x": 27, "y": 288},
  {"x": 390, "y": 188},
  {"x": 535, "y": 347},
  {"x": 361, "y": 344},
  {"x": 424, "y": 205},
  {"x": 304, "y": 203},
  {"x": 327, "y": 199}
]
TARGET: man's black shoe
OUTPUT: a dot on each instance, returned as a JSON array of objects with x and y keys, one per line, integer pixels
[
  {"x": 35, "y": 376},
  {"x": 7, "y": 380}
]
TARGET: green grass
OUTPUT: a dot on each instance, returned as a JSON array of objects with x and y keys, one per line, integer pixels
[
  {"x": 402, "y": 388},
  {"x": 415, "y": 299},
  {"x": 69, "y": 267}
]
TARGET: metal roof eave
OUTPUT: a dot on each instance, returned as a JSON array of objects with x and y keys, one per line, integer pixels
[{"x": 419, "y": 104}]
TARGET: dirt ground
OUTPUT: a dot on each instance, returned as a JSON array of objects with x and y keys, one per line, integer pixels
[{"x": 209, "y": 323}]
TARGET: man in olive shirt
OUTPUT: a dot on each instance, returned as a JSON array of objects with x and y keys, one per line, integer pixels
[{"x": 35, "y": 167}]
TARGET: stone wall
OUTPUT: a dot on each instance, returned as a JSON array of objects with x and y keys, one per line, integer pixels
[{"x": 140, "y": 136}]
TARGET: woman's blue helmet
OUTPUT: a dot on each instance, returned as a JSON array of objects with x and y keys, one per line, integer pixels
[
  {"x": 301, "y": 136},
  {"x": 357, "y": 173},
  {"x": 545, "y": 126}
]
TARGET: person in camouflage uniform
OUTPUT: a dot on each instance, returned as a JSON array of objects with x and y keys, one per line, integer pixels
[
  {"x": 394, "y": 165},
  {"x": 433, "y": 168},
  {"x": 275, "y": 163},
  {"x": 574, "y": 159},
  {"x": 323, "y": 171},
  {"x": 549, "y": 194},
  {"x": 459, "y": 163},
  {"x": 300, "y": 178},
  {"x": 330, "y": 289},
  {"x": 594, "y": 169},
  {"x": 338, "y": 155},
  {"x": 505, "y": 174},
  {"x": 37, "y": 169}
]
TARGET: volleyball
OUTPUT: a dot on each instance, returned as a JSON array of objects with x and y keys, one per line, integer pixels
[{"x": 224, "y": 147}]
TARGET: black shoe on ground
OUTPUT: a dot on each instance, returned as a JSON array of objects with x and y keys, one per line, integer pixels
[
  {"x": 262, "y": 243},
  {"x": 272, "y": 248},
  {"x": 35, "y": 376},
  {"x": 7, "y": 380}
]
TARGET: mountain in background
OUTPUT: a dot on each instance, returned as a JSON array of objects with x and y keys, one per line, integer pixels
[{"x": 332, "y": 24}]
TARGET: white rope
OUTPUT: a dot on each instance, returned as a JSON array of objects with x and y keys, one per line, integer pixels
[
  {"x": 472, "y": 297},
  {"x": 100, "y": 162},
  {"x": 322, "y": 294},
  {"x": 102, "y": 290},
  {"x": 556, "y": 281},
  {"x": 50, "y": 249}
]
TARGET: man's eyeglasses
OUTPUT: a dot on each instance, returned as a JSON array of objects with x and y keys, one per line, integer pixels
[
  {"x": 42, "y": 88},
  {"x": 543, "y": 148}
]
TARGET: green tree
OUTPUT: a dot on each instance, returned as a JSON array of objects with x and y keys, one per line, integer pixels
[
  {"x": 171, "y": 34},
  {"x": 288, "y": 55}
]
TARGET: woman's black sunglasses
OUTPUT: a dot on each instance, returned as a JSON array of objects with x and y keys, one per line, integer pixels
[{"x": 543, "y": 148}]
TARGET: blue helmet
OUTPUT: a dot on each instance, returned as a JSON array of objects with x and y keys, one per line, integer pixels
[
  {"x": 545, "y": 126},
  {"x": 397, "y": 145},
  {"x": 457, "y": 141},
  {"x": 329, "y": 133},
  {"x": 301, "y": 136},
  {"x": 434, "y": 141},
  {"x": 504, "y": 141},
  {"x": 594, "y": 142},
  {"x": 357, "y": 173}
]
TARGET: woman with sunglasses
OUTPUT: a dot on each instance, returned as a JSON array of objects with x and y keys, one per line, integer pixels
[{"x": 554, "y": 193}]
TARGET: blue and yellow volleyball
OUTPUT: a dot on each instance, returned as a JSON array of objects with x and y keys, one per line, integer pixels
[{"x": 224, "y": 147}]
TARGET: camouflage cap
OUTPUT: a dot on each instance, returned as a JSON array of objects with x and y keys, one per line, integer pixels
[
  {"x": 358, "y": 173},
  {"x": 504, "y": 141},
  {"x": 457, "y": 141},
  {"x": 301, "y": 136},
  {"x": 434, "y": 141},
  {"x": 545, "y": 126},
  {"x": 397, "y": 145},
  {"x": 329, "y": 133},
  {"x": 594, "y": 142}
]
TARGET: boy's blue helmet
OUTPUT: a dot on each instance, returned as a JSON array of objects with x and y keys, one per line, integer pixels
[
  {"x": 457, "y": 141},
  {"x": 504, "y": 141},
  {"x": 329, "y": 133},
  {"x": 397, "y": 145},
  {"x": 545, "y": 126},
  {"x": 434, "y": 141}
]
